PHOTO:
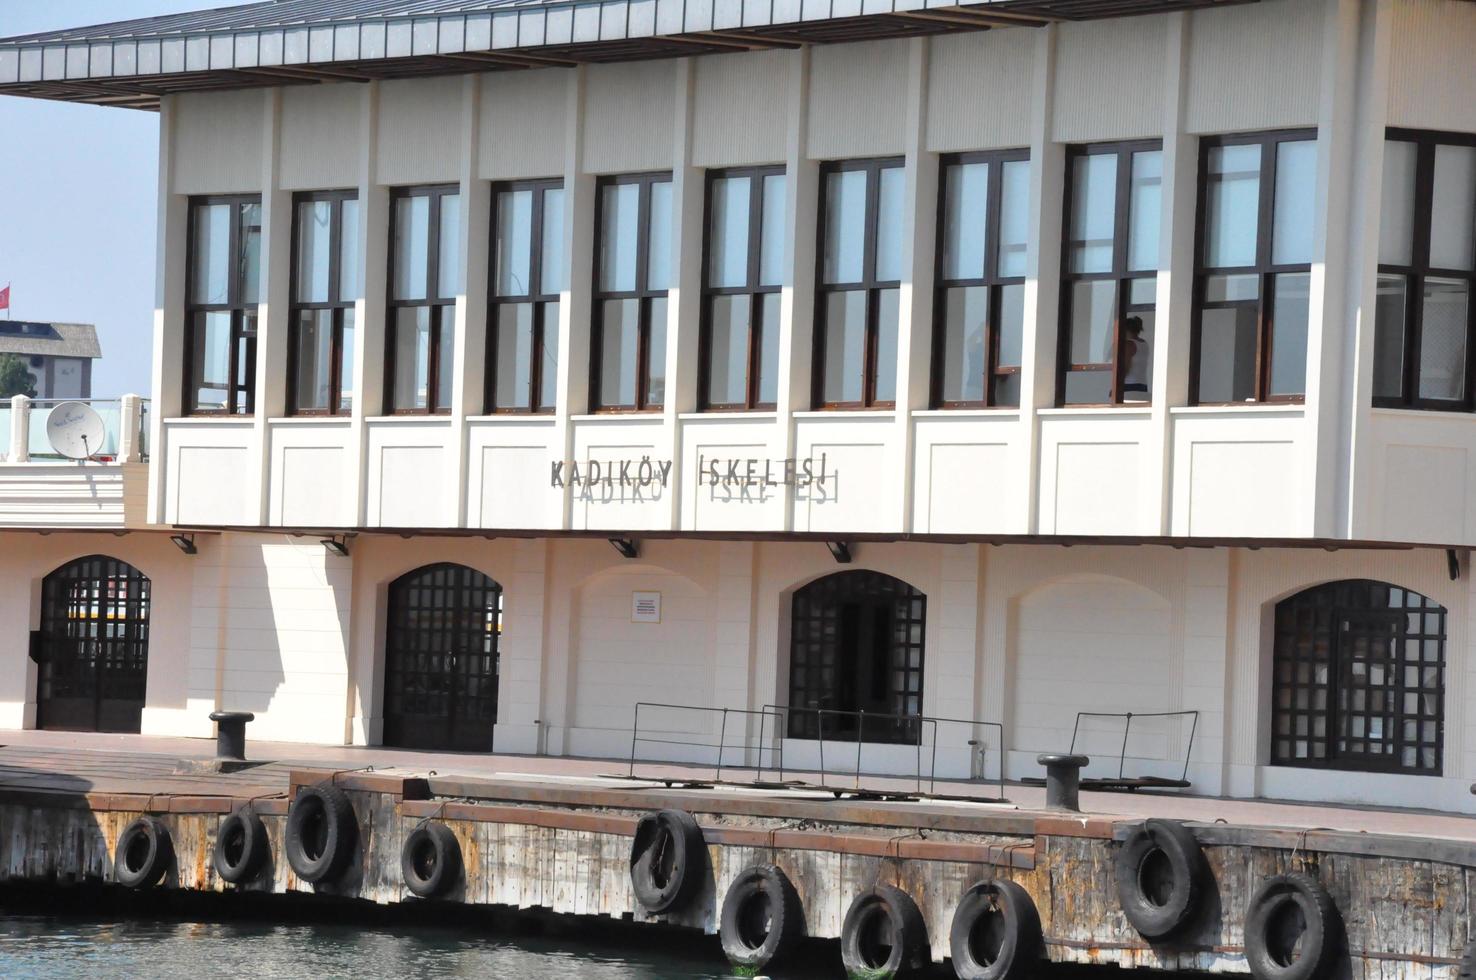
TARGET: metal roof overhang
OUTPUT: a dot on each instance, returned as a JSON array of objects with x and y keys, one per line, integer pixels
[{"x": 133, "y": 63}]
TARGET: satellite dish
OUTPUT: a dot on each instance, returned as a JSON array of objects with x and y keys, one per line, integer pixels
[{"x": 75, "y": 430}]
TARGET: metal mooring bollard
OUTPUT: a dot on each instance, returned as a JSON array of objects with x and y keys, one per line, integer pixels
[
  {"x": 1063, "y": 780},
  {"x": 230, "y": 734}
]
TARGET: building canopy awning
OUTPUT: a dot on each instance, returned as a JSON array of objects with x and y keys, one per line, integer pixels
[{"x": 132, "y": 63}]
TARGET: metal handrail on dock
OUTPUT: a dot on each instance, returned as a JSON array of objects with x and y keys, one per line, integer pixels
[
  {"x": 722, "y": 745},
  {"x": 1135, "y": 782}
]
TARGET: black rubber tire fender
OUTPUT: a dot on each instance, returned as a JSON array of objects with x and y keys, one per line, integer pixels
[
  {"x": 1162, "y": 878},
  {"x": 143, "y": 854},
  {"x": 884, "y": 933},
  {"x": 762, "y": 918},
  {"x": 430, "y": 861},
  {"x": 996, "y": 933},
  {"x": 241, "y": 847},
  {"x": 321, "y": 832},
  {"x": 1276, "y": 909},
  {"x": 667, "y": 859}
]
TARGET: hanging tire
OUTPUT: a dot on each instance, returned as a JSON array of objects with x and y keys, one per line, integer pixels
[
  {"x": 1162, "y": 878},
  {"x": 430, "y": 861},
  {"x": 143, "y": 854},
  {"x": 320, "y": 833},
  {"x": 996, "y": 933},
  {"x": 1467, "y": 969},
  {"x": 667, "y": 860},
  {"x": 1291, "y": 929},
  {"x": 884, "y": 933},
  {"x": 241, "y": 847},
  {"x": 762, "y": 918}
]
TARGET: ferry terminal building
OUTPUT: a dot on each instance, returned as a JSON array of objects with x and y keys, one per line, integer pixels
[{"x": 994, "y": 362}]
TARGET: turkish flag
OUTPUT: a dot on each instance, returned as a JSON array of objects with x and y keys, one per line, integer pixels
[{"x": 5, "y": 297}]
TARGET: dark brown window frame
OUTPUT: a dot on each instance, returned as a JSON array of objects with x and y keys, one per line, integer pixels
[
  {"x": 869, "y": 284},
  {"x": 642, "y": 293},
  {"x": 1265, "y": 270},
  {"x": 1415, "y": 274},
  {"x": 235, "y": 305},
  {"x": 753, "y": 289},
  {"x": 439, "y": 305},
  {"x": 539, "y": 301},
  {"x": 335, "y": 302},
  {"x": 1120, "y": 273},
  {"x": 991, "y": 280}
]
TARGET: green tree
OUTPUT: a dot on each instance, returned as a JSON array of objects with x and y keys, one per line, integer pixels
[{"x": 14, "y": 378}]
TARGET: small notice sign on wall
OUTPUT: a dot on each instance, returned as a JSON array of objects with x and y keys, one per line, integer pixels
[{"x": 645, "y": 607}]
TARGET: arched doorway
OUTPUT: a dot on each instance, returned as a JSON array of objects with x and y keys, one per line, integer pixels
[
  {"x": 856, "y": 645},
  {"x": 1358, "y": 679},
  {"x": 440, "y": 659},
  {"x": 94, "y": 646}
]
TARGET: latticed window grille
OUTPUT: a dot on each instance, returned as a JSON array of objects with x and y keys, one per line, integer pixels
[
  {"x": 856, "y": 645},
  {"x": 1359, "y": 679},
  {"x": 440, "y": 685}
]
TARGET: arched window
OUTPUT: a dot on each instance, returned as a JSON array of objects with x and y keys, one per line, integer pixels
[
  {"x": 1359, "y": 679},
  {"x": 94, "y": 646},
  {"x": 856, "y": 645},
  {"x": 440, "y": 659}
]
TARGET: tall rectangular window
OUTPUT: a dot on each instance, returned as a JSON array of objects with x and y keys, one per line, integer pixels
[
  {"x": 858, "y": 300},
  {"x": 528, "y": 274},
  {"x": 221, "y": 300},
  {"x": 425, "y": 278},
  {"x": 1257, "y": 195},
  {"x": 1425, "y": 320},
  {"x": 979, "y": 312},
  {"x": 632, "y": 272},
  {"x": 1109, "y": 276},
  {"x": 325, "y": 283},
  {"x": 745, "y": 269}
]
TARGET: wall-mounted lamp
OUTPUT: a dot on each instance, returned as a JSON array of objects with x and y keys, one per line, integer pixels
[
  {"x": 626, "y": 546},
  {"x": 840, "y": 551},
  {"x": 1453, "y": 564},
  {"x": 337, "y": 545},
  {"x": 184, "y": 542}
]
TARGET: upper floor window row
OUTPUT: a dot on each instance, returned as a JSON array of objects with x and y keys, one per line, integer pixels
[{"x": 221, "y": 296}]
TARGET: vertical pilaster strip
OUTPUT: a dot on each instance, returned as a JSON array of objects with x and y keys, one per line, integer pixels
[
  {"x": 169, "y": 325},
  {"x": 469, "y": 386},
  {"x": 683, "y": 308},
  {"x": 574, "y": 305},
  {"x": 797, "y": 300},
  {"x": 919, "y": 235},
  {"x": 271, "y": 316},
  {"x": 1042, "y": 270},
  {"x": 369, "y": 308}
]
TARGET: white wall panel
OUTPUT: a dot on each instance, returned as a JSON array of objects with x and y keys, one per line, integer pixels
[
  {"x": 1110, "y": 79},
  {"x": 1098, "y": 488},
  {"x": 1425, "y": 494},
  {"x": 858, "y": 100},
  {"x": 1431, "y": 84},
  {"x": 312, "y": 487},
  {"x": 218, "y": 142},
  {"x": 522, "y": 129},
  {"x": 419, "y": 130},
  {"x": 979, "y": 90},
  {"x": 409, "y": 491},
  {"x": 738, "y": 115},
  {"x": 210, "y": 485},
  {"x": 1243, "y": 489},
  {"x": 515, "y": 490},
  {"x": 733, "y": 473},
  {"x": 1255, "y": 66},
  {"x": 630, "y": 117},
  {"x": 320, "y": 136}
]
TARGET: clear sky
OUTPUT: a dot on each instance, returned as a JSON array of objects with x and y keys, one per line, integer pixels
[{"x": 77, "y": 202}]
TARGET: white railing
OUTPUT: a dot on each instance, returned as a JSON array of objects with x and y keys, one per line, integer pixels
[{"x": 23, "y": 429}]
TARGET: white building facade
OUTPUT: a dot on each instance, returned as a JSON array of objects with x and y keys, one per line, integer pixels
[{"x": 1000, "y": 368}]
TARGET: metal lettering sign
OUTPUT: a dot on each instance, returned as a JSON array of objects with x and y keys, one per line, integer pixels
[{"x": 647, "y": 479}]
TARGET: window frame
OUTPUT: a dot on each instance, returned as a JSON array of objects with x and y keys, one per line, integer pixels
[
  {"x": 1122, "y": 223},
  {"x": 868, "y": 283},
  {"x": 538, "y": 301},
  {"x": 992, "y": 280},
  {"x": 1265, "y": 269},
  {"x": 437, "y": 193},
  {"x": 336, "y": 303},
  {"x": 642, "y": 293},
  {"x": 235, "y": 305},
  {"x": 1415, "y": 275},
  {"x": 754, "y": 289}
]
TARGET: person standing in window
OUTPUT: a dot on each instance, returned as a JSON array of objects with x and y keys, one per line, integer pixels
[{"x": 1136, "y": 359}]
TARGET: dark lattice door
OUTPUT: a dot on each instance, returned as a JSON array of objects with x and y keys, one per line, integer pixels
[
  {"x": 440, "y": 686},
  {"x": 94, "y": 647}
]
